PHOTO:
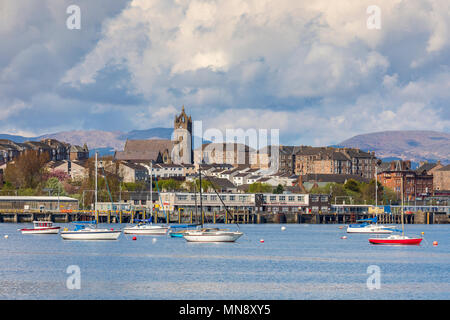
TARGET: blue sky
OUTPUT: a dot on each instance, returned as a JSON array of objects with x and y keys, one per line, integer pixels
[{"x": 314, "y": 70}]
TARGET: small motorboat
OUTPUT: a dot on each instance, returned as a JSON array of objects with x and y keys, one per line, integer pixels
[
  {"x": 83, "y": 232},
  {"x": 41, "y": 227},
  {"x": 212, "y": 235},
  {"x": 145, "y": 227},
  {"x": 396, "y": 239}
]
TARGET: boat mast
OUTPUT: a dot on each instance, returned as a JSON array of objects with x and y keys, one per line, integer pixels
[
  {"x": 376, "y": 190},
  {"x": 403, "y": 227},
  {"x": 201, "y": 200},
  {"x": 151, "y": 189},
  {"x": 96, "y": 194}
]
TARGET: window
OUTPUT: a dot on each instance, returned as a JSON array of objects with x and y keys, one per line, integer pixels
[
  {"x": 291, "y": 198},
  {"x": 232, "y": 198},
  {"x": 324, "y": 199},
  {"x": 282, "y": 198},
  {"x": 273, "y": 198},
  {"x": 301, "y": 198}
]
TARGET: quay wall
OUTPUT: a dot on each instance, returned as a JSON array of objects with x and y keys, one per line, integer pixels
[{"x": 243, "y": 217}]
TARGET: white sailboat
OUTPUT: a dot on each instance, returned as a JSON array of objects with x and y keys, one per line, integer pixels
[
  {"x": 210, "y": 234},
  {"x": 146, "y": 227},
  {"x": 371, "y": 225},
  {"x": 84, "y": 231}
]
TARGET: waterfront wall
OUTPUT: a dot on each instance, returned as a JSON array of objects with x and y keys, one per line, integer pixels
[{"x": 243, "y": 217}]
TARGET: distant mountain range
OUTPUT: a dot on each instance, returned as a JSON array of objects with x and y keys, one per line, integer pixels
[
  {"x": 407, "y": 145},
  {"x": 388, "y": 145},
  {"x": 105, "y": 142}
]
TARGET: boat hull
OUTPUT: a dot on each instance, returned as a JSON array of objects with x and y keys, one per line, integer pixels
[
  {"x": 214, "y": 237},
  {"x": 90, "y": 235},
  {"x": 154, "y": 230},
  {"x": 52, "y": 230},
  {"x": 409, "y": 241},
  {"x": 366, "y": 230}
]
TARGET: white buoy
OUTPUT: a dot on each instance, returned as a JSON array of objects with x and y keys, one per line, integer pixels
[
  {"x": 283, "y": 228},
  {"x": 344, "y": 237},
  {"x": 154, "y": 240},
  {"x": 6, "y": 236}
]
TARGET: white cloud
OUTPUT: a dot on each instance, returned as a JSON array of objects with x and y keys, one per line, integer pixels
[{"x": 312, "y": 69}]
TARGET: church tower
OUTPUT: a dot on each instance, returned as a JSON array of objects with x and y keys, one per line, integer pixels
[{"x": 182, "y": 137}]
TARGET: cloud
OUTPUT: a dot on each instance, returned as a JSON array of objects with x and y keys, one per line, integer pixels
[{"x": 312, "y": 69}]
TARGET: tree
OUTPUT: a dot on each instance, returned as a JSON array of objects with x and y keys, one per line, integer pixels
[
  {"x": 279, "y": 189},
  {"x": 259, "y": 187},
  {"x": 352, "y": 185},
  {"x": 28, "y": 170},
  {"x": 55, "y": 187}
]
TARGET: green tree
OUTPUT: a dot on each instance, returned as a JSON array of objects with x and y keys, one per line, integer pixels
[
  {"x": 259, "y": 187},
  {"x": 55, "y": 187},
  {"x": 352, "y": 185},
  {"x": 28, "y": 170},
  {"x": 279, "y": 189}
]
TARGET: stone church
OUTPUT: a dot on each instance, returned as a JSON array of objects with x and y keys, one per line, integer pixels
[{"x": 178, "y": 150}]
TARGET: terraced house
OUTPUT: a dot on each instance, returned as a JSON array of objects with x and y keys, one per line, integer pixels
[{"x": 56, "y": 150}]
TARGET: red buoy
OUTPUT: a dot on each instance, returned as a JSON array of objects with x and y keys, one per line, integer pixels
[
  {"x": 262, "y": 240},
  {"x": 134, "y": 238}
]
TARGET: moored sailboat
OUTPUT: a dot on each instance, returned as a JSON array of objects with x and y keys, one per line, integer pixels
[
  {"x": 210, "y": 234},
  {"x": 369, "y": 226},
  {"x": 87, "y": 232},
  {"x": 145, "y": 227},
  {"x": 398, "y": 239}
]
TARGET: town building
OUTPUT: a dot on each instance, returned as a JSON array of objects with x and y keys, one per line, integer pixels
[
  {"x": 230, "y": 153},
  {"x": 132, "y": 172},
  {"x": 56, "y": 150},
  {"x": 176, "y": 151},
  {"x": 38, "y": 203},
  {"x": 76, "y": 170},
  {"x": 441, "y": 178},
  {"x": 415, "y": 183},
  {"x": 78, "y": 153},
  {"x": 259, "y": 202}
]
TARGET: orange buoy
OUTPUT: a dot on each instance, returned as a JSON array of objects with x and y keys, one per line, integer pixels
[{"x": 435, "y": 243}]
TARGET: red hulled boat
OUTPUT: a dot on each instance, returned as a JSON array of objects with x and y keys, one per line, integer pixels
[{"x": 396, "y": 239}]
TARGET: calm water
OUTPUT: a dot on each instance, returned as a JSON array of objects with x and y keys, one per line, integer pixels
[{"x": 302, "y": 262}]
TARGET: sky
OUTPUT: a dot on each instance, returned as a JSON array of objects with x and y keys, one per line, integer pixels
[{"x": 319, "y": 71}]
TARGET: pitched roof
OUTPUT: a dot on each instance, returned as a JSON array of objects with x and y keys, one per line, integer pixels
[
  {"x": 445, "y": 168},
  {"x": 338, "y": 178},
  {"x": 151, "y": 145}
]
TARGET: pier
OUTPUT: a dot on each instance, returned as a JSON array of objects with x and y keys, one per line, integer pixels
[{"x": 241, "y": 217}]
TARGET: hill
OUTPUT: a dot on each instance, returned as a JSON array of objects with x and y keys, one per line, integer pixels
[{"x": 408, "y": 145}]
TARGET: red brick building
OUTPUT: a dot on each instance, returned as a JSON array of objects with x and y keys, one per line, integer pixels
[{"x": 415, "y": 183}]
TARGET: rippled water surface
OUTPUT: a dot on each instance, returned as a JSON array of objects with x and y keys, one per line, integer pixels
[{"x": 302, "y": 262}]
